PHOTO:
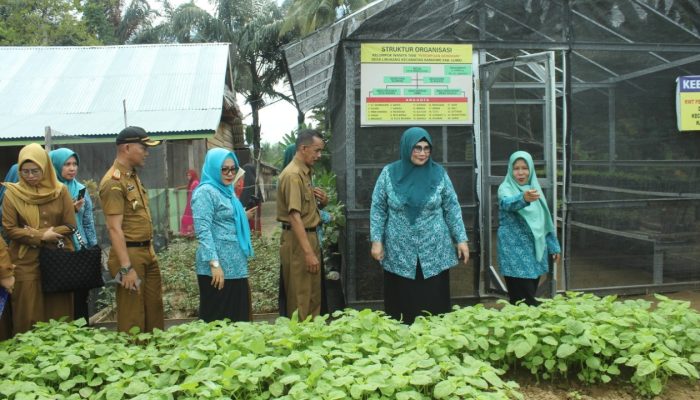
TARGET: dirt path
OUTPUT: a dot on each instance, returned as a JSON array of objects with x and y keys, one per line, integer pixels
[
  {"x": 269, "y": 220},
  {"x": 676, "y": 389}
]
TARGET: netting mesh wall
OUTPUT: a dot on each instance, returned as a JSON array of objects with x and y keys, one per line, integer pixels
[
  {"x": 631, "y": 180},
  {"x": 635, "y": 180},
  {"x": 370, "y": 149}
]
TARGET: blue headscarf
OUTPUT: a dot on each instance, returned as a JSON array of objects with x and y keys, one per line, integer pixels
[
  {"x": 412, "y": 183},
  {"x": 211, "y": 175},
  {"x": 58, "y": 158},
  {"x": 11, "y": 177},
  {"x": 536, "y": 215}
]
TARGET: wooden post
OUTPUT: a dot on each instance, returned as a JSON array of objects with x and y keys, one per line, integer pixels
[
  {"x": 124, "y": 107},
  {"x": 167, "y": 192},
  {"x": 47, "y": 138}
]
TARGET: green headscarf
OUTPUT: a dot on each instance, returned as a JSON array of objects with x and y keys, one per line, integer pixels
[
  {"x": 413, "y": 184},
  {"x": 289, "y": 153},
  {"x": 536, "y": 215}
]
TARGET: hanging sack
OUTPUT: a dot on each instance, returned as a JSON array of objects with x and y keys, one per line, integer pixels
[{"x": 63, "y": 270}]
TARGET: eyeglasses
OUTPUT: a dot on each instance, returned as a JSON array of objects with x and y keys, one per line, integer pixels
[
  {"x": 32, "y": 172},
  {"x": 421, "y": 149},
  {"x": 228, "y": 170}
]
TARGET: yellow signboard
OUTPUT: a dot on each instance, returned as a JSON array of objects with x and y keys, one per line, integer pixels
[
  {"x": 688, "y": 103},
  {"x": 423, "y": 53},
  {"x": 416, "y": 84}
]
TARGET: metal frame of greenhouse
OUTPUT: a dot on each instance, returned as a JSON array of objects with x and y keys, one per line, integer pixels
[{"x": 587, "y": 87}]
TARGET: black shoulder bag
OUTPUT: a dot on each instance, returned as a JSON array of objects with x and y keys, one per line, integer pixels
[{"x": 63, "y": 270}]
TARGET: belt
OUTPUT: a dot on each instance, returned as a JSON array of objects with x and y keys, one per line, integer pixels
[
  {"x": 288, "y": 227},
  {"x": 145, "y": 243}
]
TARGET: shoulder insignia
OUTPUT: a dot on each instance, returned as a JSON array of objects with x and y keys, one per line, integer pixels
[{"x": 116, "y": 174}]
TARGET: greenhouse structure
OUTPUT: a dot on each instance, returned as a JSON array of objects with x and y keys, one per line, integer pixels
[{"x": 589, "y": 88}]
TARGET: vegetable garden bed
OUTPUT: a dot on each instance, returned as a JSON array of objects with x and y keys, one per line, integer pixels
[{"x": 628, "y": 347}]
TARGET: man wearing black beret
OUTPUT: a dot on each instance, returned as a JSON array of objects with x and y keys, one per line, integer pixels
[{"x": 132, "y": 259}]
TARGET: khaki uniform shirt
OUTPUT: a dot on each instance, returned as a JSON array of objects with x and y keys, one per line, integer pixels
[
  {"x": 58, "y": 213},
  {"x": 5, "y": 262},
  {"x": 121, "y": 192},
  {"x": 296, "y": 193}
]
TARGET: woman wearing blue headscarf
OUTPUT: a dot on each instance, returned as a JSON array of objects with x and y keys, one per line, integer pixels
[
  {"x": 526, "y": 232},
  {"x": 65, "y": 161},
  {"x": 415, "y": 225},
  {"x": 221, "y": 227}
]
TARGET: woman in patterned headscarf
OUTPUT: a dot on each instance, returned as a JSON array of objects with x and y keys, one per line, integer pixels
[
  {"x": 415, "y": 224},
  {"x": 37, "y": 212},
  {"x": 526, "y": 232}
]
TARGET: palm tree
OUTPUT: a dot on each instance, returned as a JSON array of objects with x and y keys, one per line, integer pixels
[
  {"x": 253, "y": 27},
  {"x": 306, "y": 16},
  {"x": 113, "y": 24},
  {"x": 185, "y": 24}
]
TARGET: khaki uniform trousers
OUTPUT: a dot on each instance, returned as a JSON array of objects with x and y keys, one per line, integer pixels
[
  {"x": 142, "y": 308},
  {"x": 303, "y": 289}
]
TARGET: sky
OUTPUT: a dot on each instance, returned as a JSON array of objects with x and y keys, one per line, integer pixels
[{"x": 276, "y": 119}]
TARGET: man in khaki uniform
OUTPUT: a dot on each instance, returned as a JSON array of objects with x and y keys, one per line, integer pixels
[
  {"x": 300, "y": 251},
  {"x": 132, "y": 259}
]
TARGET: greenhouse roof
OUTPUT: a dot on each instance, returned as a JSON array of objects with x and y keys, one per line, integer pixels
[
  {"x": 175, "y": 90},
  {"x": 668, "y": 34}
]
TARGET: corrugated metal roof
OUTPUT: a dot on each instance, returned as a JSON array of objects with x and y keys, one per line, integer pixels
[{"x": 169, "y": 89}]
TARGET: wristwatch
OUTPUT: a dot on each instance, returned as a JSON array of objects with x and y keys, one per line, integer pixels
[
  {"x": 214, "y": 264},
  {"x": 125, "y": 269}
]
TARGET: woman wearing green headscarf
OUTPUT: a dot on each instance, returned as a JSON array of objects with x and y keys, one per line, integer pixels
[
  {"x": 415, "y": 225},
  {"x": 526, "y": 232},
  {"x": 65, "y": 161}
]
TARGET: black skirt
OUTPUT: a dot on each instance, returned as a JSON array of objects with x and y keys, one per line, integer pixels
[
  {"x": 522, "y": 289},
  {"x": 232, "y": 302},
  {"x": 405, "y": 299}
]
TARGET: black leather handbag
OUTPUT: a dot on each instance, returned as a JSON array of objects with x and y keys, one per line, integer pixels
[{"x": 63, "y": 270}]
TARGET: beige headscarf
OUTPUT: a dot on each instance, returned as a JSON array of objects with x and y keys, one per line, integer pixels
[{"x": 26, "y": 198}]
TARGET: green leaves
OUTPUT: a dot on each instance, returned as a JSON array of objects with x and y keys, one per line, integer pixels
[
  {"x": 443, "y": 389},
  {"x": 565, "y": 350},
  {"x": 595, "y": 338},
  {"x": 362, "y": 354}
]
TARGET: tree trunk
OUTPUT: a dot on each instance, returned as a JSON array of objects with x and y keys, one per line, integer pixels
[{"x": 300, "y": 117}]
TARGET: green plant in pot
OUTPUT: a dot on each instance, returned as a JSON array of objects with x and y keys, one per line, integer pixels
[{"x": 325, "y": 180}]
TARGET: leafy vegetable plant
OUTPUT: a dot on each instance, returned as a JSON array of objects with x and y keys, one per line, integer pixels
[{"x": 363, "y": 354}]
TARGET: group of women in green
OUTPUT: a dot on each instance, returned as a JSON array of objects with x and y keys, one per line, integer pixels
[{"x": 418, "y": 234}]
